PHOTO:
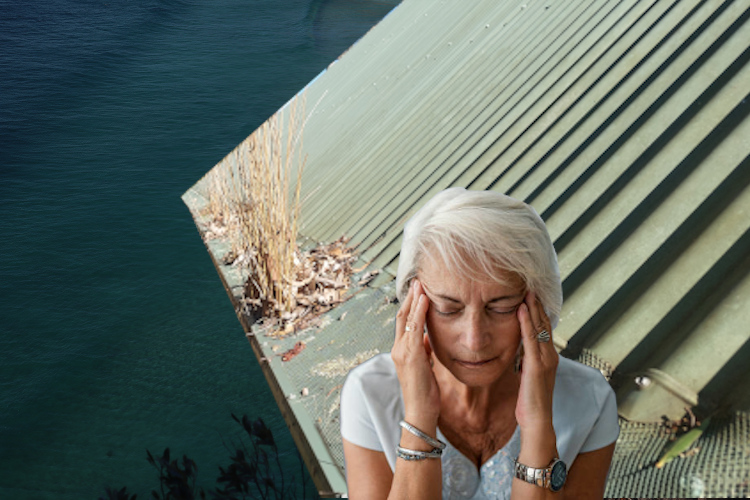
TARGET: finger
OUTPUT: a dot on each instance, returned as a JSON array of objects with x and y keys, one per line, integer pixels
[
  {"x": 528, "y": 333},
  {"x": 530, "y": 320},
  {"x": 404, "y": 311},
  {"x": 418, "y": 292},
  {"x": 541, "y": 321},
  {"x": 419, "y": 307},
  {"x": 533, "y": 305}
]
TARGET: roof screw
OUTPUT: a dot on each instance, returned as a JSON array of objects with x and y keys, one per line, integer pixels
[{"x": 642, "y": 382}]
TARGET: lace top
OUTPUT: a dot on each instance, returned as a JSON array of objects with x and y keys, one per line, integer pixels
[
  {"x": 584, "y": 415},
  {"x": 462, "y": 480}
]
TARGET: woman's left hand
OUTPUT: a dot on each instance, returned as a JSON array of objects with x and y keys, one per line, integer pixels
[{"x": 538, "y": 368}]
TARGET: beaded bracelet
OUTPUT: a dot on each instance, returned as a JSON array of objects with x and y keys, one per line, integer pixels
[
  {"x": 435, "y": 443},
  {"x": 408, "y": 454}
]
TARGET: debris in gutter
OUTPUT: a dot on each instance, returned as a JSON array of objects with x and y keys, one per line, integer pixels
[
  {"x": 681, "y": 447},
  {"x": 334, "y": 389},
  {"x": 684, "y": 433},
  {"x": 322, "y": 276},
  {"x": 368, "y": 277},
  {"x": 291, "y": 353},
  {"x": 340, "y": 366}
]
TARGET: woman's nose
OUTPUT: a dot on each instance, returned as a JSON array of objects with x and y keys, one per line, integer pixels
[{"x": 475, "y": 332}]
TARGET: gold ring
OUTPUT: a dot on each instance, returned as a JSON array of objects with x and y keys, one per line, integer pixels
[{"x": 410, "y": 327}]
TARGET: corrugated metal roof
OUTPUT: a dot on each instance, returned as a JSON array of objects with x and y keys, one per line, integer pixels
[{"x": 623, "y": 123}]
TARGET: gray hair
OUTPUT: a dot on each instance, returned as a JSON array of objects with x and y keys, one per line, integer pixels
[{"x": 478, "y": 234}]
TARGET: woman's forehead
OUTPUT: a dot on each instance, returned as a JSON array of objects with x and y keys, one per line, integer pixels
[{"x": 440, "y": 277}]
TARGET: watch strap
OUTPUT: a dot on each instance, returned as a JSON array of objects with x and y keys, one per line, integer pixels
[{"x": 532, "y": 475}]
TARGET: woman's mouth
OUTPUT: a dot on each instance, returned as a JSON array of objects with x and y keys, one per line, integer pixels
[{"x": 475, "y": 364}]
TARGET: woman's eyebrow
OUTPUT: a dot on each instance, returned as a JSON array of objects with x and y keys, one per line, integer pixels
[
  {"x": 445, "y": 297},
  {"x": 456, "y": 301},
  {"x": 439, "y": 296},
  {"x": 508, "y": 297}
]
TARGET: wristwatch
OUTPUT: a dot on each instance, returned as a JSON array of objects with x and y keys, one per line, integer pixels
[{"x": 552, "y": 477}]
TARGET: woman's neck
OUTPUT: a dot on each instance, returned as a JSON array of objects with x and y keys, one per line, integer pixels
[{"x": 479, "y": 405}]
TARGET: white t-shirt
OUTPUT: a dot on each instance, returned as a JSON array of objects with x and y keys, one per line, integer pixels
[{"x": 584, "y": 414}]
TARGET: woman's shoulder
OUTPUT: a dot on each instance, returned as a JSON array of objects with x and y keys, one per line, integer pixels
[
  {"x": 584, "y": 409},
  {"x": 380, "y": 365},
  {"x": 578, "y": 372},
  {"x": 569, "y": 368},
  {"x": 371, "y": 406},
  {"x": 576, "y": 381},
  {"x": 375, "y": 376}
]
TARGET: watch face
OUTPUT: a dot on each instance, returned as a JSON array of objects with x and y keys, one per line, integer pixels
[{"x": 558, "y": 475}]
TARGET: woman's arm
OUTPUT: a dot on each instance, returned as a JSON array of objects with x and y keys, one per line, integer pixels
[
  {"x": 588, "y": 474},
  {"x": 534, "y": 405},
  {"x": 368, "y": 474},
  {"x": 586, "y": 480}
]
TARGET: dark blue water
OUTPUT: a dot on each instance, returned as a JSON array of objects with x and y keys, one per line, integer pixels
[{"x": 116, "y": 335}]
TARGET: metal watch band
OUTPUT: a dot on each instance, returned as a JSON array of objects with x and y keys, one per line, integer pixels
[
  {"x": 551, "y": 477},
  {"x": 531, "y": 475}
]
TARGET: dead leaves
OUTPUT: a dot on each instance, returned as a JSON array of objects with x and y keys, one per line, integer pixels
[
  {"x": 368, "y": 277},
  {"x": 339, "y": 366},
  {"x": 291, "y": 353},
  {"x": 321, "y": 278}
]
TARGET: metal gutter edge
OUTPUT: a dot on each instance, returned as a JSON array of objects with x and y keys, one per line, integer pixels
[{"x": 328, "y": 478}]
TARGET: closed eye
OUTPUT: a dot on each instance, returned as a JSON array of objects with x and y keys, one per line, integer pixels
[
  {"x": 505, "y": 310},
  {"x": 446, "y": 313}
]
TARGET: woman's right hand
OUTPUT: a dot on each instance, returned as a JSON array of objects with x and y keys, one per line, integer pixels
[{"x": 411, "y": 354}]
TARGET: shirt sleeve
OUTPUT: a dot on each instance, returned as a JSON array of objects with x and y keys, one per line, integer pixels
[
  {"x": 357, "y": 424},
  {"x": 606, "y": 429}
]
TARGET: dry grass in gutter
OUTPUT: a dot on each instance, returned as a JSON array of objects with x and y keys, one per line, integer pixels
[
  {"x": 254, "y": 205},
  {"x": 321, "y": 278}
]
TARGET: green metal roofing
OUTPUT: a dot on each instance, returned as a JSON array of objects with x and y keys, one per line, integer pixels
[{"x": 625, "y": 124}]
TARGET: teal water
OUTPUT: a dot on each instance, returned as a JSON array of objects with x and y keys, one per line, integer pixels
[{"x": 116, "y": 335}]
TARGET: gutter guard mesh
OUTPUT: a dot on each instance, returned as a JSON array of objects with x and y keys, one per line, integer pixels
[
  {"x": 348, "y": 335},
  {"x": 720, "y": 468}
]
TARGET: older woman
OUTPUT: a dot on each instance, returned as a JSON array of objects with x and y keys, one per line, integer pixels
[{"x": 473, "y": 400}]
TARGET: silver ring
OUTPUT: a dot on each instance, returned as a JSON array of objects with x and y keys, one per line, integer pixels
[
  {"x": 543, "y": 336},
  {"x": 411, "y": 327}
]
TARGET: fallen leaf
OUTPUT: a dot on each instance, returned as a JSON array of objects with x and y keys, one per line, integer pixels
[{"x": 291, "y": 353}]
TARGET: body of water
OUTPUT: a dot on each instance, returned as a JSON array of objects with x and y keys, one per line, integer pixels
[{"x": 116, "y": 335}]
